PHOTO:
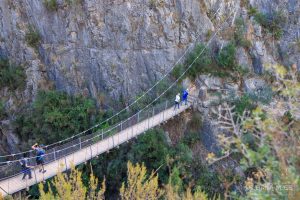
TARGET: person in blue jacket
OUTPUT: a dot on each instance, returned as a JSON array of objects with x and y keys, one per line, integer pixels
[
  {"x": 40, "y": 154},
  {"x": 185, "y": 95}
]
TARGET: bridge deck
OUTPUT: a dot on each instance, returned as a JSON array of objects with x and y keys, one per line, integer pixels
[{"x": 15, "y": 183}]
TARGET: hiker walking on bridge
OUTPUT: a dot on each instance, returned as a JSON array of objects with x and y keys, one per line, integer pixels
[
  {"x": 185, "y": 96},
  {"x": 177, "y": 101},
  {"x": 40, "y": 152},
  {"x": 26, "y": 169}
]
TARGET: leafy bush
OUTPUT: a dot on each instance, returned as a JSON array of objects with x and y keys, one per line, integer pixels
[
  {"x": 33, "y": 37},
  {"x": 208, "y": 180},
  {"x": 51, "y": 5},
  {"x": 226, "y": 57},
  {"x": 152, "y": 149},
  {"x": 191, "y": 138},
  {"x": 55, "y": 116},
  {"x": 2, "y": 110},
  {"x": 202, "y": 61},
  {"x": 272, "y": 23},
  {"x": 243, "y": 103},
  {"x": 239, "y": 37},
  {"x": 11, "y": 76},
  {"x": 250, "y": 100},
  {"x": 198, "y": 64},
  {"x": 263, "y": 95},
  {"x": 71, "y": 186},
  {"x": 252, "y": 11},
  {"x": 177, "y": 71},
  {"x": 182, "y": 157}
]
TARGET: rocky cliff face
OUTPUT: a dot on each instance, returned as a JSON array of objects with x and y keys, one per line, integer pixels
[
  {"x": 112, "y": 47},
  {"x": 116, "y": 47},
  {"x": 121, "y": 47}
]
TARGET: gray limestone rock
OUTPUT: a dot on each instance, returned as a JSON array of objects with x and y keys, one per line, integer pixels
[
  {"x": 212, "y": 83},
  {"x": 254, "y": 84},
  {"x": 243, "y": 59}
]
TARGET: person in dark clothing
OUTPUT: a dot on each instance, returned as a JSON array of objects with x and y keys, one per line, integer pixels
[
  {"x": 40, "y": 152},
  {"x": 185, "y": 96},
  {"x": 26, "y": 169}
]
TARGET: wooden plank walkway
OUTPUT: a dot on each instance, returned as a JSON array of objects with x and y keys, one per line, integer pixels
[{"x": 15, "y": 184}]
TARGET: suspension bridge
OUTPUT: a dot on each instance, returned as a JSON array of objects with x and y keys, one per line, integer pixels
[{"x": 79, "y": 150}]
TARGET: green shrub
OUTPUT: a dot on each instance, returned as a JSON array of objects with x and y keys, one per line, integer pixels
[
  {"x": 150, "y": 147},
  {"x": 175, "y": 179},
  {"x": 2, "y": 110},
  {"x": 199, "y": 63},
  {"x": 191, "y": 138},
  {"x": 11, "y": 76},
  {"x": 243, "y": 103},
  {"x": 272, "y": 23},
  {"x": 239, "y": 32},
  {"x": 33, "y": 37},
  {"x": 55, "y": 116},
  {"x": 182, "y": 157},
  {"x": 252, "y": 11},
  {"x": 208, "y": 180},
  {"x": 51, "y": 5},
  {"x": 226, "y": 57},
  {"x": 177, "y": 71},
  {"x": 263, "y": 95}
]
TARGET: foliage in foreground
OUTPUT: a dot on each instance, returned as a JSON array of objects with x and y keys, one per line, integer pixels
[
  {"x": 267, "y": 141},
  {"x": 70, "y": 186},
  {"x": 139, "y": 185}
]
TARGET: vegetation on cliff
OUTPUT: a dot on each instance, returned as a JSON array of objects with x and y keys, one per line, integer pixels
[{"x": 11, "y": 76}]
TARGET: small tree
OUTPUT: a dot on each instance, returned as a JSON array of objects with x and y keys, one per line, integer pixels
[
  {"x": 226, "y": 57},
  {"x": 172, "y": 193},
  {"x": 71, "y": 187},
  {"x": 139, "y": 186}
]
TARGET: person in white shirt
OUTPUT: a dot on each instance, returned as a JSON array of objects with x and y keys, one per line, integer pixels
[{"x": 177, "y": 101}]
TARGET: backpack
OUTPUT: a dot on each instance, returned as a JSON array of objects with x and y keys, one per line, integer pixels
[
  {"x": 40, "y": 154},
  {"x": 185, "y": 94},
  {"x": 23, "y": 163}
]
